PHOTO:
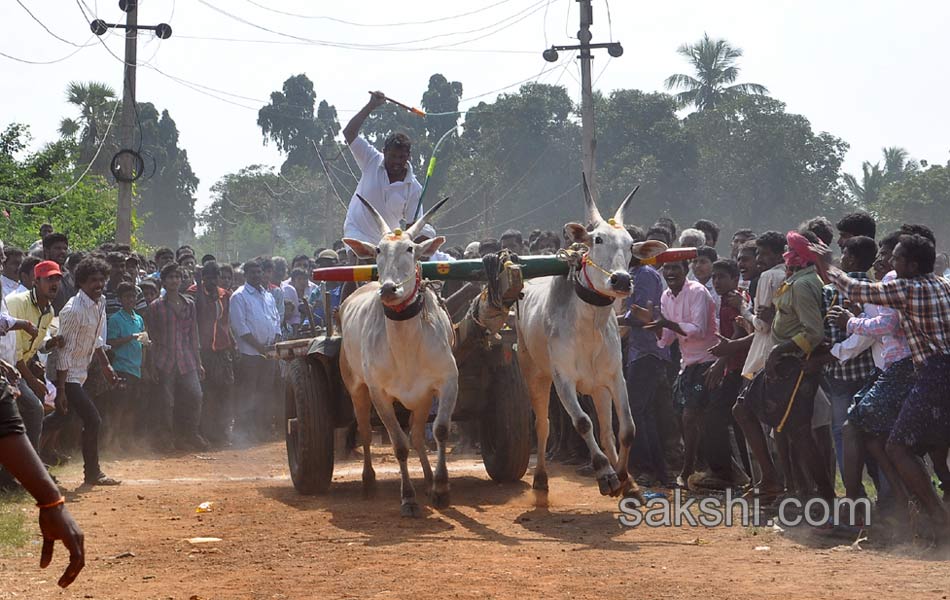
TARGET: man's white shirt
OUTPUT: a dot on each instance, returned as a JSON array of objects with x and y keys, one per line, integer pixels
[
  {"x": 394, "y": 201},
  {"x": 9, "y": 286}
]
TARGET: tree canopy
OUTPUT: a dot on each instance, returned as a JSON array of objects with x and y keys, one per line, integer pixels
[{"x": 84, "y": 208}]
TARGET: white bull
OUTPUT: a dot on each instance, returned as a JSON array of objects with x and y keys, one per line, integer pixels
[
  {"x": 568, "y": 335},
  {"x": 397, "y": 345}
]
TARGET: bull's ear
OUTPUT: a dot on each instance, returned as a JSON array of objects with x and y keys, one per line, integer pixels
[
  {"x": 576, "y": 233},
  {"x": 361, "y": 248},
  {"x": 428, "y": 247}
]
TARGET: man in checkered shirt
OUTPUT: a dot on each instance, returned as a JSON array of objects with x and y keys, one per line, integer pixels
[
  {"x": 923, "y": 299},
  {"x": 845, "y": 379}
]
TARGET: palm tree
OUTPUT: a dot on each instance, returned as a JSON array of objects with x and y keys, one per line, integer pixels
[
  {"x": 874, "y": 178},
  {"x": 898, "y": 164},
  {"x": 96, "y": 103},
  {"x": 715, "y": 64},
  {"x": 868, "y": 191}
]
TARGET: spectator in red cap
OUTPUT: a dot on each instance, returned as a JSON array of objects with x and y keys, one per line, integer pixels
[
  {"x": 35, "y": 306},
  {"x": 30, "y": 407}
]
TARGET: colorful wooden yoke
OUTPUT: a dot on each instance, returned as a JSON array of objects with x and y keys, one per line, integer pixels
[{"x": 474, "y": 270}]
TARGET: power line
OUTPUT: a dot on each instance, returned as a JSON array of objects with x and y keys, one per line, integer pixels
[
  {"x": 523, "y": 215},
  {"x": 198, "y": 87},
  {"x": 89, "y": 166},
  {"x": 291, "y": 184},
  {"x": 305, "y": 43},
  {"x": 49, "y": 31},
  {"x": 329, "y": 178},
  {"x": 470, "y": 98},
  {"x": 358, "y": 24},
  {"x": 395, "y": 46},
  {"x": 511, "y": 189},
  {"x": 599, "y": 75},
  {"x": 567, "y": 22},
  {"x": 40, "y": 62}
]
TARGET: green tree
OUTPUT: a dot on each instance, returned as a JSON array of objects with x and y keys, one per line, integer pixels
[
  {"x": 165, "y": 195},
  {"x": 517, "y": 167},
  {"x": 291, "y": 122},
  {"x": 640, "y": 141},
  {"x": 257, "y": 211},
  {"x": 762, "y": 167},
  {"x": 874, "y": 178},
  {"x": 715, "y": 73},
  {"x": 922, "y": 196},
  {"x": 96, "y": 103},
  {"x": 867, "y": 192},
  {"x": 84, "y": 208}
]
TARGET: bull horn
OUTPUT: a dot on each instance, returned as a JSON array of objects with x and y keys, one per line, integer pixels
[
  {"x": 593, "y": 215},
  {"x": 384, "y": 228},
  {"x": 416, "y": 227},
  {"x": 618, "y": 216}
]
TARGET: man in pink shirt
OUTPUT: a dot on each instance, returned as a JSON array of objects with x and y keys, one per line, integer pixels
[{"x": 688, "y": 315}]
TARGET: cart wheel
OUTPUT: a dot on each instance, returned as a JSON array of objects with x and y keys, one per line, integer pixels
[
  {"x": 505, "y": 428},
  {"x": 309, "y": 426}
]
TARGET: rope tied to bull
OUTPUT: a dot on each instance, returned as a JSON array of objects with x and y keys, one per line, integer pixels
[
  {"x": 494, "y": 265},
  {"x": 574, "y": 257},
  {"x": 578, "y": 257}
]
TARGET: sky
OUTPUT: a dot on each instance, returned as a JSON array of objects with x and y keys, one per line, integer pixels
[{"x": 870, "y": 72}]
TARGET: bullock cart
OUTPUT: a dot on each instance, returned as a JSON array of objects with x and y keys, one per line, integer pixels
[{"x": 491, "y": 387}]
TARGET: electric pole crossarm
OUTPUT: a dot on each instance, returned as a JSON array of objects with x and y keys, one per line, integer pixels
[{"x": 162, "y": 30}]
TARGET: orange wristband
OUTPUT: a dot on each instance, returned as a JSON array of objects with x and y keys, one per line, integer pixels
[{"x": 62, "y": 500}]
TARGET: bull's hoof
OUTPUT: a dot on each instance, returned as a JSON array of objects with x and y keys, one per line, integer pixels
[
  {"x": 633, "y": 491},
  {"x": 409, "y": 508},
  {"x": 440, "y": 499},
  {"x": 540, "y": 482},
  {"x": 609, "y": 484},
  {"x": 369, "y": 478}
]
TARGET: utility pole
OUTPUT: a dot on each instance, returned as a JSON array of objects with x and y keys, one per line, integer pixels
[
  {"x": 127, "y": 164},
  {"x": 123, "y": 213},
  {"x": 588, "y": 138}
]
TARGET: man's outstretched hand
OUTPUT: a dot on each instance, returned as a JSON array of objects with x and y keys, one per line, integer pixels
[
  {"x": 376, "y": 99},
  {"x": 57, "y": 524},
  {"x": 663, "y": 323},
  {"x": 723, "y": 348}
]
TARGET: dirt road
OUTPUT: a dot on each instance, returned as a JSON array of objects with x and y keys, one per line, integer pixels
[{"x": 493, "y": 542}]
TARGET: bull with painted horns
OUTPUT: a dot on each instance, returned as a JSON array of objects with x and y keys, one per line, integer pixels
[
  {"x": 568, "y": 335},
  {"x": 397, "y": 345}
]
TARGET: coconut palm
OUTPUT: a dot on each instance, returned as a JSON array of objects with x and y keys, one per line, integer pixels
[
  {"x": 874, "y": 178},
  {"x": 868, "y": 190},
  {"x": 897, "y": 163},
  {"x": 96, "y": 104},
  {"x": 716, "y": 72}
]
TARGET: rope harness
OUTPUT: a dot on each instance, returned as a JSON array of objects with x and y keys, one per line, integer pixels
[
  {"x": 578, "y": 258},
  {"x": 412, "y": 305}
]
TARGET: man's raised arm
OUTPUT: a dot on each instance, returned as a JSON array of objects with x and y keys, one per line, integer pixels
[{"x": 352, "y": 128}]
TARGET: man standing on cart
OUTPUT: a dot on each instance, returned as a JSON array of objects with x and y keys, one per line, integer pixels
[{"x": 387, "y": 181}]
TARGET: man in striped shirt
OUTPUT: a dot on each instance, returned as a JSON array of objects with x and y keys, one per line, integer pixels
[{"x": 82, "y": 324}]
